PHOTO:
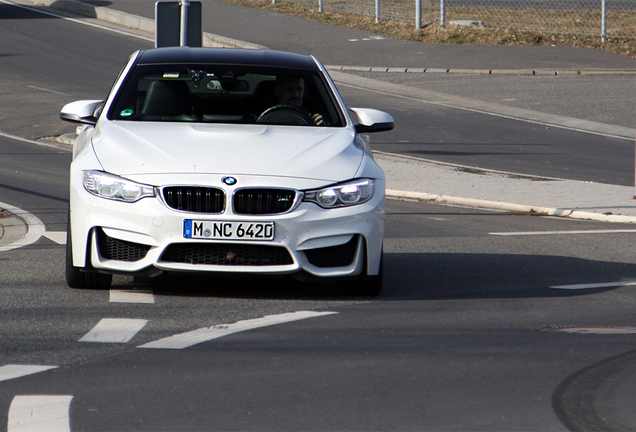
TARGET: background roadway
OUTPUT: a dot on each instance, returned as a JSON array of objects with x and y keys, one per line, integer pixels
[
  {"x": 464, "y": 337},
  {"x": 424, "y": 130},
  {"x": 335, "y": 45}
]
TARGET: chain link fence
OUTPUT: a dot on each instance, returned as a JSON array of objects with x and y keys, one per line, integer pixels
[{"x": 604, "y": 18}]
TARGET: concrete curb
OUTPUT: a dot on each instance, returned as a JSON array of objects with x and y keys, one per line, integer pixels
[
  {"x": 502, "y": 206},
  {"x": 12, "y": 230},
  {"x": 526, "y": 72},
  {"x": 20, "y": 229}
]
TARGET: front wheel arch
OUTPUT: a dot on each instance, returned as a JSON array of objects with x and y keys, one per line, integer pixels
[{"x": 82, "y": 277}]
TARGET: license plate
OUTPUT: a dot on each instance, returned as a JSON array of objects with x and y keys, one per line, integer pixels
[{"x": 228, "y": 230}]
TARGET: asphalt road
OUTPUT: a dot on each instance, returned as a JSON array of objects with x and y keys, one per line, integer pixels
[
  {"x": 466, "y": 336},
  {"x": 607, "y": 99},
  {"x": 436, "y": 132},
  {"x": 469, "y": 333}
]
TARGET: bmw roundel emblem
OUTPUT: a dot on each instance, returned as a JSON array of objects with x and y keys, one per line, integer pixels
[{"x": 230, "y": 181}]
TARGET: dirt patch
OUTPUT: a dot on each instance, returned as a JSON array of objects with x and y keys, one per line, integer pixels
[
  {"x": 4, "y": 214},
  {"x": 463, "y": 35}
]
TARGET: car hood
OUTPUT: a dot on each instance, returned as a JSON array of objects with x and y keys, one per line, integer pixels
[{"x": 132, "y": 148}]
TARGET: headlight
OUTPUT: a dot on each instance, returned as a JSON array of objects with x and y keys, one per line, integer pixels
[
  {"x": 115, "y": 188},
  {"x": 345, "y": 194}
]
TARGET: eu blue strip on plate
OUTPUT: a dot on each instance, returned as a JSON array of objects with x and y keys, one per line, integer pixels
[{"x": 187, "y": 228}]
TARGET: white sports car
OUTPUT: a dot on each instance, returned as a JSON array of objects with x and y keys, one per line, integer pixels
[{"x": 224, "y": 160}]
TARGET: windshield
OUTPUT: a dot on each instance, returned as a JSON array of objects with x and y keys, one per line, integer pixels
[{"x": 226, "y": 94}]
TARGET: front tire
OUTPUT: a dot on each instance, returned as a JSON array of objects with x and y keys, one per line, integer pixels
[{"x": 77, "y": 277}]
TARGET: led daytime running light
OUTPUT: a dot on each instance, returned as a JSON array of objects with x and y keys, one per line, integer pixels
[
  {"x": 342, "y": 195},
  {"x": 115, "y": 188}
]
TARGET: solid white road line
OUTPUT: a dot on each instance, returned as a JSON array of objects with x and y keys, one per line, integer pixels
[
  {"x": 593, "y": 286},
  {"x": 131, "y": 296},
  {"x": 595, "y": 330},
  {"x": 77, "y": 21},
  {"x": 8, "y": 372},
  {"x": 114, "y": 330},
  {"x": 58, "y": 237},
  {"x": 40, "y": 143},
  {"x": 481, "y": 107},
  {"x": 529, "y": 233},
  {"x": 40, "y": 414},
  {"x": 17, "y": 138},
  {"x": 188, "y": 339}
]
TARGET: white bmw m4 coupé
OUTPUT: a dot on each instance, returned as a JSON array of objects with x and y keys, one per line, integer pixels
[{"x": 206, "y": 160}]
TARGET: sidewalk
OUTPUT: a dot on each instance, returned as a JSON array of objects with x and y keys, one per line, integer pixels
[{"x": 429, "y": 181}]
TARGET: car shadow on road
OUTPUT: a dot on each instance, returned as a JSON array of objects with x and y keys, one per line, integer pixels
[
  {"x": 416, "y": 276},
  {"x": 244, "y": 287},
  {"x": 422, "y": 276}
]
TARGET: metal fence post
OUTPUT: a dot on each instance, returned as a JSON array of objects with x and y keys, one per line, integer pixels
[
  {"x": 184, "y": 22},
  {"x": 377, "y": 11},
  {"x": 418, "y": 14},
  {"x": 442, "y": 13},
  {"x": 603, "y": 21},
  {"x": 321, "y": 5}
]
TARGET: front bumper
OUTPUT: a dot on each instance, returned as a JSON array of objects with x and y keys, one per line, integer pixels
[{"x": 147, "y": 237}]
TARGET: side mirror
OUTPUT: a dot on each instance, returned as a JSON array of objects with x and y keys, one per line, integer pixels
[
  {"x": 84, "y": 112},
  {"x": 372, "y": 120}
]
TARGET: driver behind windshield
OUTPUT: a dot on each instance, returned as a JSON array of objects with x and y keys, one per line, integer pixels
[{"x": 290, "y": 91}]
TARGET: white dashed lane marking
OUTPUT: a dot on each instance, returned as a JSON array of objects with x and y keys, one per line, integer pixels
[
  {"x": 131, "y": 296},
  {"x": 8, "y": 372},
  {"x": 50, "y": 413},
  {"x": 188, "y": 339},
  {"x": 40, "y": 413},
  {"x": 114, "y": 330},
  {"x": 58, "y": 237}
]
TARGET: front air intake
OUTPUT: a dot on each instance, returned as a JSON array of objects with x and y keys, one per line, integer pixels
[
  {"x": 333, "y": 256},
  {"x": 227, "y": 254},
  {"x": 120, "y": 250}
]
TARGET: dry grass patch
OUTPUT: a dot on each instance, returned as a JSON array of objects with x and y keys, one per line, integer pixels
[{"x": 467, "y": 35}]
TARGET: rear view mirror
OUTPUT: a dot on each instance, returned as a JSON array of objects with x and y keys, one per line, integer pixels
[
  {"x": 84, "y": 112},
  {"x": 372, "y": 120}
]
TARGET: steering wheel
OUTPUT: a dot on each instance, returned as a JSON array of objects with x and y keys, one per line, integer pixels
[{"x": 285, "y": 114}]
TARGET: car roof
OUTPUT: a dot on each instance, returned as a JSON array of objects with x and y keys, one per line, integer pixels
[{"x": 260, "y": 57}]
